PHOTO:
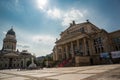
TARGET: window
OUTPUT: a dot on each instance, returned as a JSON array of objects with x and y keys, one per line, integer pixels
[
  {"x": 94, "y": 42},
  {"x": 5, "y": 65},
  {"x": 116, "y": 48},
  {"x": 98, "y": 45},
  {"x": 96, "y": 49},
  {"x": 17, "y": 65},
  {"x": 116, "y": 40},
  {"x": 64, "y": 49},
  {"x": 102, "y": 49},
  {"x": 7, "y": 46},
  {"x": 59, "y": 50},
  {"x": 116, "y": 43},
  {"x": 82, "y": 29},
  {"x": 80, "y": 46},
  {"x": 14, "y": 65},
  {"x": 88, "y": 52}
]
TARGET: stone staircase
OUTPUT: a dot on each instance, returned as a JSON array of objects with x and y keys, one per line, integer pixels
[{"x": 67, "y": 63}]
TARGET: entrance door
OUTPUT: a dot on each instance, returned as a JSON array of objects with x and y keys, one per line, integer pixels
[
  {"x": 21, "y": 64},
  {"x": 91, "y": 61},
  {"x": 10, "y": 62}
]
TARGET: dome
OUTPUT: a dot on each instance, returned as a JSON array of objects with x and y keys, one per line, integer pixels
[{"x": 11, "y": 32}]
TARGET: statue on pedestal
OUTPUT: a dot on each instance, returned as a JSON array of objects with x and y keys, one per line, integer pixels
[{"x": 32, "y": 65}]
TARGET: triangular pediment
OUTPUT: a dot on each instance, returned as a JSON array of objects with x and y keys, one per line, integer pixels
[{"x": 85, "y": 27}]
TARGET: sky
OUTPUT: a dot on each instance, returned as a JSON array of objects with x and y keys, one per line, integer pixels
[{"x": 38, "y": 23}]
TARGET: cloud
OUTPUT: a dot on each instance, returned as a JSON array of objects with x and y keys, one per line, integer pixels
[
  {"x": 40, "y": 44},
  {"x": 67, "y": 17},
  {"x": 54, "y": 13},
  {"x": 43, "y": 39},
  {"x": 24, "y": 46},
  {"x": 4, "y": 32},
  {"x": 43, "y": 44},
  {"x": 73, "y": 14}
]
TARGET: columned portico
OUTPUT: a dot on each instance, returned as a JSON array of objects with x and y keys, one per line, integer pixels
[{"x": 68, "y": 50}]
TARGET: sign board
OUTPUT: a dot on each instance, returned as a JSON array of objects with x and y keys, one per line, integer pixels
[
  {"x": 115, "y": 54},
  {"x": 105, "y": 55}
]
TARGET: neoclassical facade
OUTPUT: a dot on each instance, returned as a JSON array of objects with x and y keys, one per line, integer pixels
[
  {"x": 9, "y": 56},
  {"x": 82, "y": 44}
]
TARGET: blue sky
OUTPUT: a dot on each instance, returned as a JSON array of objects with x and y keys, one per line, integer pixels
[{"x": 38, "y": 23}]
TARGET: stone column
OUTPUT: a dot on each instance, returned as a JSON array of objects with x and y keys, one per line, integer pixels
[
  {"x": 62, "y": 52},
  {"x": 90, "y": 46},
  {"x": 78, "y": 45},
  {"x": 55, "y": 53},
  {"x": 54, "y": 56},
  {"x": 72, "y": 50},
  {"x": 67, "y": 54},
  {"x": 23, "y": 62},
  {"x": 85, "y": 47}
]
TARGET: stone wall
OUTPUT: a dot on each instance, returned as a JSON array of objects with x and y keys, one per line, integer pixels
[{"x": 82, "y": 60}]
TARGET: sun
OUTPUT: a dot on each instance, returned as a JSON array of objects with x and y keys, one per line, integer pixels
[{"x": 42, "y": 4}]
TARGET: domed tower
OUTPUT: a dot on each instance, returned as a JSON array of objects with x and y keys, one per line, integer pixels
[{"x": 9, "y": 42}]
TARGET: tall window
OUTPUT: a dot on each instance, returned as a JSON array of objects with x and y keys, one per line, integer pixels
[
  {"x": 5, "y": 65},
  {"x": 116, "y": 43},
  {"x": 59, "y": 50},
  {"x": 80, "y": 44},
  {"x": 64, "y": 49},
  {"x": 98, "y": 45}
]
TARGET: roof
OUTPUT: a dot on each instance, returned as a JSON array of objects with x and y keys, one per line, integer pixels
[
  {"x": 11, "y": 55},
  {"x": 25, "y": 52},
  {"x": 11, "y": 32}
]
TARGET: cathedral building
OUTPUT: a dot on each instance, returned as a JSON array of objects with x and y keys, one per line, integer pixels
[
  {"x": 9, "y": 56},
  {"x": 84, "y": 43}
]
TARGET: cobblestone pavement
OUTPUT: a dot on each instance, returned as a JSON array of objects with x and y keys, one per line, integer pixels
[{"x": 99, "y": 72}]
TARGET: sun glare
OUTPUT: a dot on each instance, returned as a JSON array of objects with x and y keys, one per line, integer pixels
[{"x": 42, "y": 3}]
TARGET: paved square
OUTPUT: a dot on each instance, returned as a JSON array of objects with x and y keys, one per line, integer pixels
[{"x": 66, "y": 73}]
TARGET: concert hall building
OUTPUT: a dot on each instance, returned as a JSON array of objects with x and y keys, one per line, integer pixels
[{"x": 83, "y": 43}]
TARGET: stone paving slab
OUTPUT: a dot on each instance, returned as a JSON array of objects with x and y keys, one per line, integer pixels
[
  {"x": 44, "y": 74},
  {"x": 109, "y": 75},
  {"x": 71, "y": 76},
  {"x": 16, "y": 78},
  {"x": 2, "y": 76},
  {"x": 92, "y": 71},
  {"x": 108, "y": 68}
]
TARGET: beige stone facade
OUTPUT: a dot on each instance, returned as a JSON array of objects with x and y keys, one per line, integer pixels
[
  {"x": 9, "y": 57},
  {"x": 84, "y": 42}
]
